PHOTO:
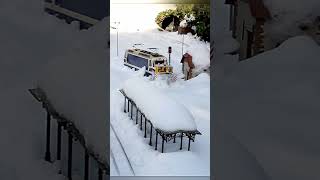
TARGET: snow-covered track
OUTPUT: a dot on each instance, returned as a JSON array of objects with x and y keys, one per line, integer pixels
[{"x": 127, "y": 167}]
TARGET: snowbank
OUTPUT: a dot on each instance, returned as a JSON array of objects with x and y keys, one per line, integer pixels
[
  {"x": 287, "y": 15},
  {"x": 269, "y": 103},
  {"x": 164, "y": 113},
  {"x": 76, "y": 84}
]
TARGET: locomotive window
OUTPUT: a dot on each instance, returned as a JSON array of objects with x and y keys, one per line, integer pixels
[{"x": 137, "y": 61}]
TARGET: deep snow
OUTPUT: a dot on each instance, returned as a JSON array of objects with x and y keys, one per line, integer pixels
[
  {"x": 30, "y": 40},
  {"x": 167, "y": 114},
  {"x": 288, "y": 15},
  {"x": 193, "y": 94},
  {"x": 25, "y": 34},
  {"x": 76, "y": 85},
  {"x": 269, "y": 103}
]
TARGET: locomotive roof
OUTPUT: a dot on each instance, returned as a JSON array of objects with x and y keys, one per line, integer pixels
[{"x": 145, "y": 53}]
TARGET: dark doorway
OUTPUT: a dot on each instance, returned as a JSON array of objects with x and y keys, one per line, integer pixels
[{"x": 249, "y": 44}]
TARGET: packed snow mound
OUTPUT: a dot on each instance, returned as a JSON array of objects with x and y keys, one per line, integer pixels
[
  {"x": 275, "y": 97},
  {"x": 288, "y": 15},
  {"x": 76, "y": 85},
  {"x": 165, "y": 113},
  {"x": 199, "y": 50}
]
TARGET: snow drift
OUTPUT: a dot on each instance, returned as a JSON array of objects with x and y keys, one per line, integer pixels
[
  {"x": 288, "y": 15},
  {"x": 269, "y": 103},
  {"x": 76, "y": 85}
]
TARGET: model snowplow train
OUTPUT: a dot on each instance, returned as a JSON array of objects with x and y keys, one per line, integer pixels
[{"x": 155, "y": 63}]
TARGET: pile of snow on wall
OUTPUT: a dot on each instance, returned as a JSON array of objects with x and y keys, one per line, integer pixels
[{"x": 76, "y": 84}]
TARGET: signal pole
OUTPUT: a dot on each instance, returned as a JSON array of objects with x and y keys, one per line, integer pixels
[
  {"x": 169, "y": 51},
  {"x": 117, "y": 23}
]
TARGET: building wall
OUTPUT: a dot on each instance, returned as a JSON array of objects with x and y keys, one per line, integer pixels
[
  {"x": 245, "y": 22},
  {"x": 97, "y": 9}
]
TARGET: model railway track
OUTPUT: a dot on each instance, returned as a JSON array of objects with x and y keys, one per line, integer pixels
[
  {"x": 124, "y": 152},
  {"x": 115, "y": 163}
]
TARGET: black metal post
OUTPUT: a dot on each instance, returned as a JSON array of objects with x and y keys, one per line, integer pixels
[
  {"x": 141, "y": 123},
  {"x": 145, "y": 127},
  {"x": 131, "y": 109},
  {"x": 150, "y": 143},
  {"x": 47, "y": 154},
  {"x": 181, "y": 141},
  {"x": 156, "y": 140},
  {"x": 162, "y": 144},
  {"x": 59, "y": 141},
  {"x": 100, "y": 174},
  {"x": 174, "y": 138},
  {"x": 128, "y": 105},
  {"x": 125, "y": 103},
  {"x": 137, "y": 115},
  {"x": 86, "y": 166},
  {"x": 69, "y": 156},
  {"x": 189, "y": 144}
]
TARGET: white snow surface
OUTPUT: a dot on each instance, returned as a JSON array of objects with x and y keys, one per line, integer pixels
[
  {"x": 194, "y": 94},
  {"x": 165, "y": 113},
  {"x": 269, "y": 104},
  {"x": 30, "y": 39},
  {"x": 75, "y": 84},
  {"x": 287, "y": 15}
]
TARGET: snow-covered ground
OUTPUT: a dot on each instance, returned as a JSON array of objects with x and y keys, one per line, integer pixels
[
  {"x": 265, "y": 111},
  {"x": 193, "y": 94},
  {"x": 25, "y": 35},
  {"x": 269, "y": 105},
  {"x": 30, "y": 40}
]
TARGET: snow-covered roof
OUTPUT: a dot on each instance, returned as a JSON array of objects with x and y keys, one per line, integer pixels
[
  {"x": 288, "y": 15},
  {"x": 165, "y": 113}
]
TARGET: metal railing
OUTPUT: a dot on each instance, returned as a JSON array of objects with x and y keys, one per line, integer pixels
[
  {"x": 166, "y": 136},
  {"x": 74, "y": 135}
]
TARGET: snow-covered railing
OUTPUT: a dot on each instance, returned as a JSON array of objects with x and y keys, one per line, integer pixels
[
  {"x": 73, "y": 135},
  {"x": 169, "y": 119}
]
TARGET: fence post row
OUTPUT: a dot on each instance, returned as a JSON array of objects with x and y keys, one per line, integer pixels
[
  {"x": 162, "y": 134},
  {"x": 73, "y": 132}
]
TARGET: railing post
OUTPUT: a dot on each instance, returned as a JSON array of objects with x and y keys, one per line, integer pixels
[
  {"x": 69, "y": 156},
  {"x": 137, "y": 115},
  {"x": 131, "y": 109},
  {"x": 174, "y": 138},
  {"x": 156, "y": 148},
  {"x": 141, "y": 123},
  {"x": 100, "y": 174},
  {"x": 125, "y": 103},
  {"x": 128, "y": 105},
  {"x": 47, "y": 154},
  {"x": 150, "y": 143},
  {"x": 189, "y": 144},
  {"x": 145, "y": 127},
  {"x": 181, "y": 141},
  {"x": 162, "y": 144},
  {"x": 59, "y": 141},
  {"x": 86, "y": 166}
]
